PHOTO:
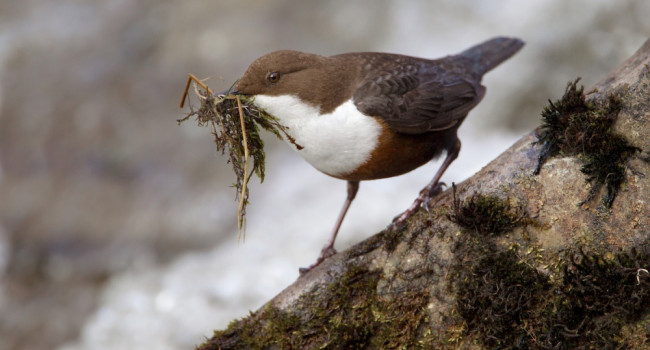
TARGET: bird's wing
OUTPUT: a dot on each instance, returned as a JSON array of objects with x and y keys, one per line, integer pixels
[{"x": 414, "y": 103}]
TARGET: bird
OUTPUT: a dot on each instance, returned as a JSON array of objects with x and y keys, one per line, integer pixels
[{"x": 372, "y": 115}]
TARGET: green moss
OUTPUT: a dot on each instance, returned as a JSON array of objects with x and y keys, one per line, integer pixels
[
  {"x": 496, "y": 295},
  {"x": 243, "y": 142},
  {"x": 573, "y": 126},
  {"x": 277, "y": 328},
  {"x": 599, "y": 295},
  {"x": 354, "y": 316},
  {"x": 349, "y": 313},
  {"x": 583, "y": 299},
  {"x": 636, "y": 335},
  {"x": 589, "y": 300},
  {"x": 392, "y": 237},
  {"x": 503, "y": 299},
  {"x": 487, "y": 214}
]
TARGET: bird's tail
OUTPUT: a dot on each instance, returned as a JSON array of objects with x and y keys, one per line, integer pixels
[{"x": 491, "y": 53}]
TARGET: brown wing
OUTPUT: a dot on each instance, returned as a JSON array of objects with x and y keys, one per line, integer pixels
[{"x": 414, "y": 103}]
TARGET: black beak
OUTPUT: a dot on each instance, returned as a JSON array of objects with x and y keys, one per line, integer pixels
[{"x": 228, "y": 92}]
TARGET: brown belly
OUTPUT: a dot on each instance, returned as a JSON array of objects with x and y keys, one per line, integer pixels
[{"x": 397, "y": 154}]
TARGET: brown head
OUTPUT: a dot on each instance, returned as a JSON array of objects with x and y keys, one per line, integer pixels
[{"x": 317, "y": 80}]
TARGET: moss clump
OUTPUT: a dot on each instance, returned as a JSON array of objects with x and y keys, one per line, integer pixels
[
  {"x": 573, "y": 126},
  {"x": 344, "y": 321},
  {"x": 584, "y": 299},
  {"x": 497, "y": 294},
  {"x": 269, "y": 328},
  {"x": 587, "y": 300},
  {"x": 487, "y": 214},
  {"x": 599, "y": 294},
  {"x": 235, "y": 123},
  {"x": 355, "y": 316}
]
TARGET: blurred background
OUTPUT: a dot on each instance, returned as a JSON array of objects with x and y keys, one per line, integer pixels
[{"x": 117, "y": 226}]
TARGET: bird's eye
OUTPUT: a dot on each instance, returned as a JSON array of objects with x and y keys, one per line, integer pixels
[{"x": 273, "y": 77}]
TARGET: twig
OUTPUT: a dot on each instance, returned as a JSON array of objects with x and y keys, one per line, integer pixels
[
  {"x": 638, "y": 277},
  {"x": 242, "y": 198},
  {"x": 191, "y": 78}
]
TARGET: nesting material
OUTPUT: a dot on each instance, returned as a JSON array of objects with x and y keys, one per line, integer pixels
[{"x": 235, "y": 123}]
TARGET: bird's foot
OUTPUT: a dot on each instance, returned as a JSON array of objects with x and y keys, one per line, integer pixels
[
  {"x": 327, "y": 251},
  {"x": 422, "y": 201},
  {"x": 432, "y": 192}
]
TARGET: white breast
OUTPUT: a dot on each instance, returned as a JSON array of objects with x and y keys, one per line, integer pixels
[{"x": 336, "y": 143}]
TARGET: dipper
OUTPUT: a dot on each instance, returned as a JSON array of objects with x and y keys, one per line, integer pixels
[{"x": 371, "y": 115}]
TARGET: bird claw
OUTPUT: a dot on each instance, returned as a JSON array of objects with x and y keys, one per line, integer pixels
[
  {"x": 421, "y": 202},
  {"x": 432, "y": 192},
  {"x": 327, "y": 251}
]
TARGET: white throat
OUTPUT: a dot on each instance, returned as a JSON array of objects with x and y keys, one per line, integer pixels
[{"x": 336, "y": 143}]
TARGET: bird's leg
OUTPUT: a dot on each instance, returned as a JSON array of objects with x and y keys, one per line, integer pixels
[
  {"x": 433, "y": 188},
  {"x": 328, "y": 250}
]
